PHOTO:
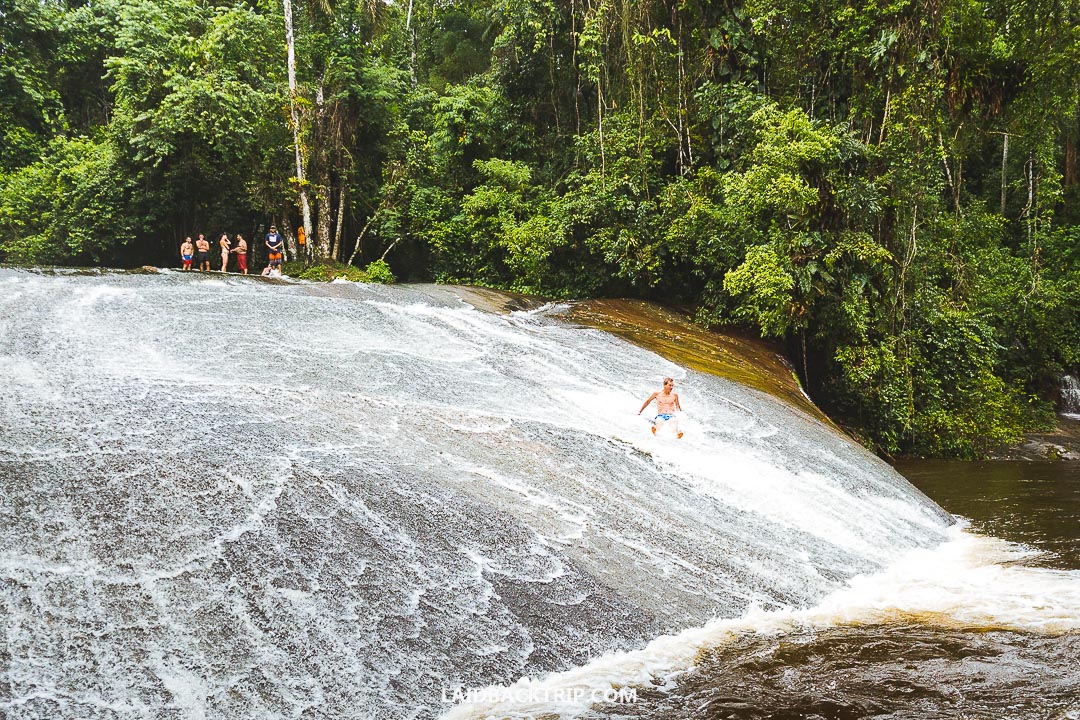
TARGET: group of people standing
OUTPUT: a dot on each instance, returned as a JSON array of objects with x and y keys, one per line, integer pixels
[{"x": 199, "y": 252}]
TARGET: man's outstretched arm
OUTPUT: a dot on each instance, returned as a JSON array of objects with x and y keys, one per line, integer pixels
[{"x": 651, "y": 398}]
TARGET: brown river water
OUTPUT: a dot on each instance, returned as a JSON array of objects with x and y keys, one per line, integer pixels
[
  {"x": 917, "y": 668},
  {"x": 1036, "y": 503}
]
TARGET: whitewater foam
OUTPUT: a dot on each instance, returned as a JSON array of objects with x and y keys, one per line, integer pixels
[
  {"x": 352, "y": 496},
  {"x": 968, "y": 582}
]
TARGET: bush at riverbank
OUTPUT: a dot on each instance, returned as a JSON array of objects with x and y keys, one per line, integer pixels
[{"x": 376, "y": 272}]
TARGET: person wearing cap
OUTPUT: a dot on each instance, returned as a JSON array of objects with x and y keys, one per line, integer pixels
[{"x": 276, "y": 245}]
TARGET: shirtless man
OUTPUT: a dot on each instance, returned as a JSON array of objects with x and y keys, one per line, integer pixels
[
  {"x": 241, "y": 253},
  {"x": 187, "y": 252},
  {"x": 203, "y": 246},
  {"x": 667, "y": 402},
  {"x": 225, "y": 250}
]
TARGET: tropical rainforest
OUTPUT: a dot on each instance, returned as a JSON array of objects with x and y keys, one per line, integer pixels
[{"x": 888, "y": 188}]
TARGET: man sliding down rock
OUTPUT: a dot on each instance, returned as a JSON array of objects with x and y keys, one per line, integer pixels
[{"x": 667, "y": 402}]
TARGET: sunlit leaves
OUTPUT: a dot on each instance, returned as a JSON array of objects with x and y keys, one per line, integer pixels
[{"x": 70, "y": 207}]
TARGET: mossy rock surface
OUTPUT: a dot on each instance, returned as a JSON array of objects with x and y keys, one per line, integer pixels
[{"x": 376, "y": 272}]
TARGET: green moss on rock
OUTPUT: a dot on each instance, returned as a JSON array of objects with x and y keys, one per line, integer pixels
[{"x": 376, "y": 272}]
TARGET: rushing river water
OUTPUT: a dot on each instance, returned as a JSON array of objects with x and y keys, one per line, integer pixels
[
  {"x": 227, "y": 498},
  {"x": 923, "y": 666},
  {"x": 1034, "y": 503}
]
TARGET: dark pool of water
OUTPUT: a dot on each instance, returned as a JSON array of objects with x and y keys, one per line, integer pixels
[
  {"x": 907, "y": 671},
  {"x": 1034, "y": 503},
  {"x": 894, "y": 672}
]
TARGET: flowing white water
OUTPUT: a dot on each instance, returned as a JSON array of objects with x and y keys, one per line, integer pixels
[
  {"x": 1070, "y": 397},
  {"x": 968, "y": 582},
  {"x": 224, "y": 498}
]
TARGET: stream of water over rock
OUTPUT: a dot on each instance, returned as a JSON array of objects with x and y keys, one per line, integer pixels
[{"x": 226, "y": 498}]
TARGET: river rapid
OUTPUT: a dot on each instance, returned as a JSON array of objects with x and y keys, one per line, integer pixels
[{"x": 222, "y": 497}]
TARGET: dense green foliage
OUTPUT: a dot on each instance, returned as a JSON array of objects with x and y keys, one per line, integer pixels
[
  {"x": 889, "y": 188},
  {"x": 376, "y": 272}
]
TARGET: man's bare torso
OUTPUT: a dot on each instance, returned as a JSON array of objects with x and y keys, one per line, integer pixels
[{"x": 666, "y": 401}]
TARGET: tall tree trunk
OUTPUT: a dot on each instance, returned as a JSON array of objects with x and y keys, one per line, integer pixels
[
  {"x": 360, "y": 239},
  {"x": 885, "y": 113},
  {"x": 1004, "y": 162},
  {"x": 294, "y": 113},
  {"x": 1031, "y": 212},
  {"x": 387, "y": 201},
  {"x": 684, "y": 102},
  {"x": 290, "y": 239},
  {"x": 805, "y": 370},
  {"x": 320, "y": 247},
  {"x": 411, "y": 32},
  {"x": 600, "y": 128},
  {"x": 322, "y": 192},
  {"x": 948, "y": 172},
  {"x": 363, "y": 232},
  {"x": 577, "y": 72},
  {"x": 389, "y": 248},
  {"x": 1071, "y": 175},
  {"x": 554, "y": 82},
  {"x": 340, "y": 221}
]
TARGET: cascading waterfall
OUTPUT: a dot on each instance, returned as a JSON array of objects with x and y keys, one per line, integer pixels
[
  {"x": 1070, "y": 397},
  {"x": 227, "y": 498}
]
